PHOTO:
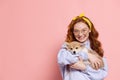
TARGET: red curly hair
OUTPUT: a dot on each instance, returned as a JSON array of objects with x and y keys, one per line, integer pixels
[{"x": 95, "y": 44}]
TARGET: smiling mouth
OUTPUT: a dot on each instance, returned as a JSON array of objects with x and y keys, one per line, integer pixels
[{"x": 81, "y": 37}]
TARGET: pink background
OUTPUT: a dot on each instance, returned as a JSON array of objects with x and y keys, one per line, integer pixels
[{"x": 32, "y": 32}]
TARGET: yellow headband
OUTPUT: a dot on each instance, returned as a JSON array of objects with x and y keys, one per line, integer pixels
[{"x": 81, "y": 15}]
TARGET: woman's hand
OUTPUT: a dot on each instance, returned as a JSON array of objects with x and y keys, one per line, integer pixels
[
  {"x": 79, "y": 65},
  {"x": 95, "y": 60}
]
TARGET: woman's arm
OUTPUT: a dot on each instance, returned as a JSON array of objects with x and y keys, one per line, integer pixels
[
  {"x": 79, "y": 65},
  {"x": 95, "y": 60},
  {"x": 99, "y": 74}
]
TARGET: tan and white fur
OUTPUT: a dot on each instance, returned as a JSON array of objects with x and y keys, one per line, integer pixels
[{"x": 75, "y": 47}]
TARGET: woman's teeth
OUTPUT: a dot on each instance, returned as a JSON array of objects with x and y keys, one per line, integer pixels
[{"x": 81, "y": 37}]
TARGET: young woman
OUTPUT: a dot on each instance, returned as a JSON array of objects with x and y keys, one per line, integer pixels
[{"x": 81, "y": 29}]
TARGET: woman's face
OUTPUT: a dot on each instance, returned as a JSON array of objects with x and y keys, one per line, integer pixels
[{"x": 81, "y": 31}]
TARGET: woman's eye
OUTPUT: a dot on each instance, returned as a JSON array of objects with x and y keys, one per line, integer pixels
[
  {"x": 84, "y": 30},
  {"x": 76, "y": 31}
]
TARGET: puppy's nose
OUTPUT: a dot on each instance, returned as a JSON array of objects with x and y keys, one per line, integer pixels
[{"x": 74, "y": 52}]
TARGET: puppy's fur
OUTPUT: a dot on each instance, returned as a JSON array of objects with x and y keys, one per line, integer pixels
[{"x": 75, "y": 47}]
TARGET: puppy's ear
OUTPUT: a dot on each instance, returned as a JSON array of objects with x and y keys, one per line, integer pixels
[
  {"x": 82, "y": 45},
  {"x": 67, "y": 44}
]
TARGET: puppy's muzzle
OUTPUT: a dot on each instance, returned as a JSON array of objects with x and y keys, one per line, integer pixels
[{"x": 74, "y": 52}]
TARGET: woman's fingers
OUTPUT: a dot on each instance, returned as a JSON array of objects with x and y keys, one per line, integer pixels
[
  {"x": 93, "y": 66},
  {"x": 72, "y": 66},
  {"x": 75, "y": 66},
  {"x": 79, "y": 65},
  {"x": 95, "y": 60},
  {"x": 98, "y": 64}
]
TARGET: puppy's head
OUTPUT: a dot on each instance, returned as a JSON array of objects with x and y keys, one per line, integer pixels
[{"x": 74, "y": 47}]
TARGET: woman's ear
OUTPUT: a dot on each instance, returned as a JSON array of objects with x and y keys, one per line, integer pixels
[{"x": 89, "y": 31}]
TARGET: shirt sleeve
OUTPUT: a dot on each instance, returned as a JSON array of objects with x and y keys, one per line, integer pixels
[
  {"x": 65, "y": 57},
  {"x": 99, "y": 74}
]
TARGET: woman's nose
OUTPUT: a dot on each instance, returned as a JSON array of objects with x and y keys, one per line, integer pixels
[{"x": 80, "y": 33}]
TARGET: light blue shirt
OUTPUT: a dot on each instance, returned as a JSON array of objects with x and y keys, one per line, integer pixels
[{"x": 65, "y": 58}]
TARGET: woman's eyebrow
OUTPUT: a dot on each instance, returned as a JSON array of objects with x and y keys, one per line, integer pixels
[
  {"x": 80, "y": 29},
  {"x": 84, "y": 28},
  {"x": 76, "y": 29}
]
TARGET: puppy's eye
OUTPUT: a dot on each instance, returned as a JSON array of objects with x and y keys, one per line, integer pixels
[
  {"x": 71, "y": 48},
  {"x": 76, "y": 47}
]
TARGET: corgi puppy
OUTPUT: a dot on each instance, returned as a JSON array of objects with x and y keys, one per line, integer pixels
[{"x": 76, "y": 47}]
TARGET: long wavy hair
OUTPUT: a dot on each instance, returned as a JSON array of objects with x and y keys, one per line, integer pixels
[{"x": 95, "y": 44}]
